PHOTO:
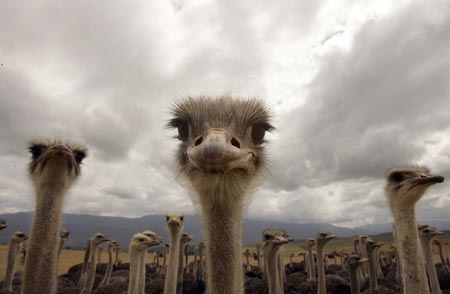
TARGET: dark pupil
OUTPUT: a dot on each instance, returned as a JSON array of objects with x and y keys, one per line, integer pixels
[
  {"x": 397, "y": 177},
  {"x": 183, "y": 130},
  {"x": 267, "y": 237},
  {"x": 36, "y": 151},
  {"x": 258, "y": 132},
  {"x": 167, "y": 218},
  {"x": 79, "y": 156}
]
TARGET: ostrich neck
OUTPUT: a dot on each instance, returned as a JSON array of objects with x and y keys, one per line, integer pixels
[
  {"x": 429, "y": 263},
  {"x": 85, "y": 264},
  {"x": 311, "y": 265},
  {"x": 12, "y": 253},
  {"x": 372, "y": 270},
  {"x": 222, "y": 225},
  {"x": 135, "y": 268},
  {"x": 170, "y": 286},
  {"x": 441, "y": 255},
  {"x": 321, "y": 289},
  {"x": 180, "y": 266},
  {"x": 272, "y": 269},
  {"x": 108, "y": 268},
  {"x": 92, "y": 269},
  {"x": 40, "y": 264},
  {"x": 354, "y": 281},
  {"x": 142, "y": 273},
  {"x": 413, "y": 271}
]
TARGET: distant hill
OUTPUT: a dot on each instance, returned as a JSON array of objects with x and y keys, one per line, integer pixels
[{"x": 82, "y": 226}]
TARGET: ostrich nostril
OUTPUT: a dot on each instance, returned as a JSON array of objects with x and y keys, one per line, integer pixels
[
  {"x": 235, "y": 142},
  {"x": 198, "y": 141}
]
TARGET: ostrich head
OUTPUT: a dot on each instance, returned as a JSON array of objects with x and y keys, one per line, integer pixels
[
  {"x": 324, "y": 237},
  {"x": 186, "y": 237},
  {"x": 372, "y": 245},
  {"x": 274, "y": 237},
  {"x": 99, "y": 238},
  {"x": 406, "y": 185},
  {"x": 174, "y": 219},
  {"x": 141, "y": 242},
  {"x": 355, "y": 260},
  {"x": 64, "y": 234},
  {"x": 3, "y": 224},
  {"x": 55, "y": 159},
  {"x": 156, "y": 239},
  {"x": 429, "y": 233},
  {"x": 221, "y": 143},
  {"x": 18, "y": 237},
  {"x": 310, "y": 242},
  {"x": 113, "y": 244}
]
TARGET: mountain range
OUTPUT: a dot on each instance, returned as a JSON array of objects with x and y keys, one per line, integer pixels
[{"x": 82, "y": 226}]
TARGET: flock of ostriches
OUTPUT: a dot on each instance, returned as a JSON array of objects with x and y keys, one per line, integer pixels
[{"x": 221, "y": 158}]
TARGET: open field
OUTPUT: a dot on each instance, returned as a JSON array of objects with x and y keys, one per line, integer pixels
[{"x": 72, "y": 257}]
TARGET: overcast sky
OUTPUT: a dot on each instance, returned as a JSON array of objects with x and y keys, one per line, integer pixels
[{"x": 354, "y": 86}]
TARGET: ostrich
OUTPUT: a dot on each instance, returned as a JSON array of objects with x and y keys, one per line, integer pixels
[
  {"x": 363, "y": 249},
  {"x": 185, "y": 238},
  {"x": 354, "y": 261},
  {"x": 273, "y": 240},
  {"x": 54, "y": 167},
  {"x": 247, "y": 260},
  {"x": 404, "y": 187},
  {"x": 112, "y": 245},
  {"x": 441, "y": 254},
  {"x": 322, "y": 239},
  {"x": 63, "y": 236},
  {"x": 155, "y": 240},
  {"x": 174, "y": 224},
  {"x": 311, "y": 267},
  {"x": 371, "y": 246},
  {"x": 17, "y": 238},
  {"x": 138, "y": 246},
  {"x": 2, "y": 224},
  {"x": 221, "y": 155},
  {"x": 426, "y": 235},
  {"x": 85, "y": 266},
  {"x": 97, "y": 239}
]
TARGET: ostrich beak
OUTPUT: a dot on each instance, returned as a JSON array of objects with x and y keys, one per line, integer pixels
[
  {"x": 362, "y": 260},
  {"x": 429, "y": 179},
  {"x": 437, "y": 232},
  {"x": 219, "y": 152}
]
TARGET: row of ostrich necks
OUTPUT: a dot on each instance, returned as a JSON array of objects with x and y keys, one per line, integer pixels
[{"x": 221, "y": 156}]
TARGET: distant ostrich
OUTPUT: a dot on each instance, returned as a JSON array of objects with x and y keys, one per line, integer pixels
[
  {"x": 311, "y": 266},
  {"x": 174, "y": 224},
  {"x": 441, "y": 254},
  {"x": 426, "y": 235},
  {"x": 155, "y": 240},
  {"x": 63, "y": 236},
  {"x": 97, "y": 239},
  {"x": 112, "y": 245},
  {"x": 363, "y": 249},
  {"x": 371, "y": 246},
  {"x": 54, "y": 167},
  {"x": 2, "y": 224},
  {"x": 354, "y": 261},
  {"x": 17, "y": 238},
  {"x": 138, "y": 245},
  {"x": 221, "y": 155},
  {"x": 185, "y": 238},
  {"x": 273, "y": 240},
  {"x": 322, "y": 239},
  {"x": 404, "y": 187},
  {"x": 85, "y": 266}
]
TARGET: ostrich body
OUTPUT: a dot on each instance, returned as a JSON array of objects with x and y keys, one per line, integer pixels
[
  {"x": 221, "y": 155},
  {"x": 97, "y": 239},
  {"x": 174, "y": 224},
  {"x": 138, "y": 245},
  {"x": 15, "y": 242},
  {"x": 311, "y": 266},
  {"x": 426, "y": 235},
  {"x": 185, "y": 238},
  {"x": 404, "y": 187},
  {"x": 322, "y": 239},
  {"x": 54, "y": 167},
  {"x": 273, "y": 240},
  {"x": 354, "y": 261},
  {"x": 112, "y": 245}
]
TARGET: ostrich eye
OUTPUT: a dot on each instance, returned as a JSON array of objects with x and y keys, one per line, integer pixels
[
  {"x": 167, "y": 218},
  {"x": 267, "y": 236},
  {"x": 141, "y": 239},
  {"x": 79, "y": 156},
  {"x": 181, "y": 218},
  {"x": 397, "y": 177},
  {"x": 259, "y": 131},
  {"x": 36, "y": 151},
  {"x": 183, "y": 130}
]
